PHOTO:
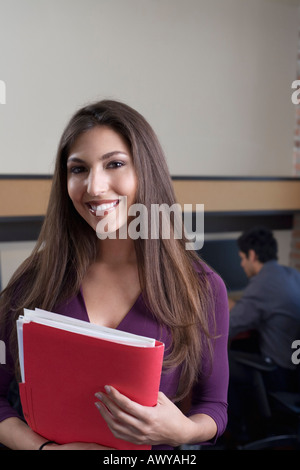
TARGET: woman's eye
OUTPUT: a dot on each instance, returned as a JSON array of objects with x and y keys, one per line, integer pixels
[
  {"x": 116, "y": 164},
  {"x": 76, "y": 169}
]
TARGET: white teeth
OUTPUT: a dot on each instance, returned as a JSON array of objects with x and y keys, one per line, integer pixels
[{"x": 103, "y": 207}]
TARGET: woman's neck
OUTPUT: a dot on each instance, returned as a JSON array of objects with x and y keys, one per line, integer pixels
[{"x": 116, "y": 252}]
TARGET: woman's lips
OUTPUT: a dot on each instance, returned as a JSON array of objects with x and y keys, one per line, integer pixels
[{"x": 101, "y": 208}]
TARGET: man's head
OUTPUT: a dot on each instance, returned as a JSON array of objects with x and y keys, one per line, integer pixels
[{"x": 256, "y": 247}]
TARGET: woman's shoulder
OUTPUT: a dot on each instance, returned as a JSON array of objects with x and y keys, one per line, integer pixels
[
  {"x": 219, "y": 295},
  {"x": 203, "y": 268},
  {"x": 215, "y": 280}
]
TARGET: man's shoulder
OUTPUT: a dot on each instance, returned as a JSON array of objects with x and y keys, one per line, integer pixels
[{"x": 279, "y": 269}]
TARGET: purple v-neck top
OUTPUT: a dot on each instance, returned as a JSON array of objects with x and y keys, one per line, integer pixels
[{"x": 209, "y": 394}]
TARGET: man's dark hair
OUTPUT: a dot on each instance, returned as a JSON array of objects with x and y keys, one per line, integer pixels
[{"x": 262, "y": 241}]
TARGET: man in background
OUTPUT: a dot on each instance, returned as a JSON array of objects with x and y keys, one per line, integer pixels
[
  {"x": 269, "y": 307},
  {"x": 270, "y": 304}
]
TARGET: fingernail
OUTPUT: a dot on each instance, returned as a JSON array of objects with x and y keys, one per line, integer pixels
[
  {"x": 107, "y": 388},
  {"x": 98, "y": 395},
  {"x": 98, "y": 405}
]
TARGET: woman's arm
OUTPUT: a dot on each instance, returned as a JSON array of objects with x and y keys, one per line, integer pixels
[
  {"x": 209, "y": 394},
  {"x": 17, "y": 435}
]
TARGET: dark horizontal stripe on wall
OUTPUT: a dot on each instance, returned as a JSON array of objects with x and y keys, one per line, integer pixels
[
  {"x": 235, "y": 178},
  {"x": 28, "y": 228},
  {"x": 16, "y": 229},
  {"x": 239, "y": 222},
  {"x": 218, "y": 222},
  {"x": 25, "y": 177}
]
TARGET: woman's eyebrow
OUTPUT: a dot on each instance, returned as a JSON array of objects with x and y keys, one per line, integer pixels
[{"x": 74, "y": 158}]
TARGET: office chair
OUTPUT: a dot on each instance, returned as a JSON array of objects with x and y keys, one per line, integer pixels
[{"x": 279, "y": 411}]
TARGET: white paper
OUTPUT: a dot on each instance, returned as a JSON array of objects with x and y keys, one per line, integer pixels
[{"x": 74, "y": 325}]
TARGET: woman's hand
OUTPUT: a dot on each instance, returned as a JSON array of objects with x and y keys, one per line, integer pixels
[{"x": 130, "y": 421}]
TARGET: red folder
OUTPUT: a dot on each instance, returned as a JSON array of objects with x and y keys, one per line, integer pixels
[{"x": 64, "y": 370}]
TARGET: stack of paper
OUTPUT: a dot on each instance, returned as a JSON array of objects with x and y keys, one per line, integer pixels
[{"x": 65, "y": 361}]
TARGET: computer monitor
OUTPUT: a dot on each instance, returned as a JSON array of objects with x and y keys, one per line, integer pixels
[{"x": 223, "y": 257}]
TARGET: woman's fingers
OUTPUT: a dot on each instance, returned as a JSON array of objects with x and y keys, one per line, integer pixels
[
  {"x": 121, "y": 406},
  {"x": 126, "y": 419},
  {"x": 122, "y": 425}
]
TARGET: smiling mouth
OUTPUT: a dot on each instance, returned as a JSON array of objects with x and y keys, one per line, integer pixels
[{"x": 102, "y": 209}]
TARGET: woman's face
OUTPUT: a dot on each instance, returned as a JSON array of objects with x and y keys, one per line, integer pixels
[{"x": 102, "y": 181}]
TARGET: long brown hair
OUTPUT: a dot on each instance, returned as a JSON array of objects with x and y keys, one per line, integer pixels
[{"x": 177, "y": 294}]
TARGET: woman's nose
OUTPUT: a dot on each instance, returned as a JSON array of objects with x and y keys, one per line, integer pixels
[{"x": 97, "y": 183}]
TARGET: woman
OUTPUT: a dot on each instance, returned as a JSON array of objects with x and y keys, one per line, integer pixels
[{"x": 109, "y": 154}]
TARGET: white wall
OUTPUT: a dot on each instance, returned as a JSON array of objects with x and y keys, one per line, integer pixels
[
  {"x": 12, "y": 254},
  {"x": 213, "y": 77}
]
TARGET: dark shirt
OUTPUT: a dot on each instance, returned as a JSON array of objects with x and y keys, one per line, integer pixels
[
  {"x": 271, "y": 306},
  {"x": 209, "y": 395}
]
